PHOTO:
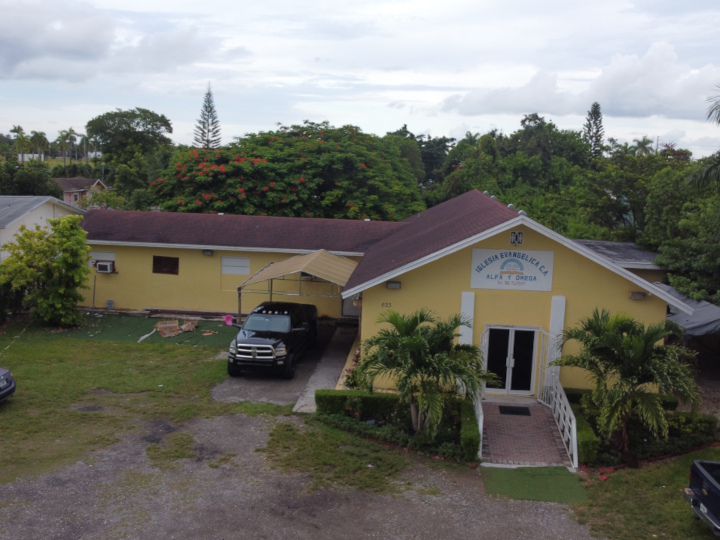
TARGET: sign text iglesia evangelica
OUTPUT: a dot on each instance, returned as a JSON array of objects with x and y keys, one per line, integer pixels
[{"x": 512, "y": 269}]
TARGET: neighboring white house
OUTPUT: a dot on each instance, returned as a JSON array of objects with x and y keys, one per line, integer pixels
[{"x": 17, "y": 210}]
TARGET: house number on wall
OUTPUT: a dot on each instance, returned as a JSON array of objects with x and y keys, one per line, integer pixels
[{"x": 386, "y": 304}]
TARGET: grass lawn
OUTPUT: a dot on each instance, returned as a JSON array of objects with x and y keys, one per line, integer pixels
[
  {"x": 645, "y": 502},
  {"x": 76, "y": 395},
  {"x": 78, "y": 391}
]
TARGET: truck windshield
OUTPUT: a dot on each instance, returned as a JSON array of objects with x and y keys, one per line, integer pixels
[{"x": 260, "y": 322}]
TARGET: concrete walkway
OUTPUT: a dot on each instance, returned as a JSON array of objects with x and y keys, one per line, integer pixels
[
  {"x": 512, "y": 440},
  {"x": 329, "y": 368}
]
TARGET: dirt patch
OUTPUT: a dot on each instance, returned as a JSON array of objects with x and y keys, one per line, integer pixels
[
  {"x": 158, "y": 429},
  {"x": 229, "y": 487}
]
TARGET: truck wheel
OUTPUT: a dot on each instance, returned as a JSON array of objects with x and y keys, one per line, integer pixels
[
  {"x": 289, "y": 368},
  {"x": 233, "y": 370}
]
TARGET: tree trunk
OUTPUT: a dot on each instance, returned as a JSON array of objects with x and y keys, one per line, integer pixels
[
  {"x": 623, "y": 444},
  {"x": 415, "y": 416}
]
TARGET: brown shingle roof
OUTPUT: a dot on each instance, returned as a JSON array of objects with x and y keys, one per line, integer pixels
[
  {"x": 263, "y": 232},
  {"x": 431, "y": 231}
]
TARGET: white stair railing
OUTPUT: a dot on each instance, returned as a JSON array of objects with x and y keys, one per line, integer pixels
[
  {"x": 481, "y": 421},
  {"x": 554, "y": 397}
]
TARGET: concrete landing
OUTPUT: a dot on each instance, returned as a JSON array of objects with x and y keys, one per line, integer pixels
[{"x": 329, "y": 368}]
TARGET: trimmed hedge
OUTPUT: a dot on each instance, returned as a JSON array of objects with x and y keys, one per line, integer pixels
[
  {"x": 384, "y": 408},
  {"x": 588, "y": 442},
  {"x": 351, "y": 409},
  {"x": 469, "y": 431},
  {"x": 685, "y": 432}
]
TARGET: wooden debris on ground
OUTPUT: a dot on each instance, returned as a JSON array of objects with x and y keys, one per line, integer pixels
[{"x": 173, "y": 328}]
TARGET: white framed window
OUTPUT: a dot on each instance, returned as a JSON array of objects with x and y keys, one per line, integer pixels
[{"x": 236, "y": 265}]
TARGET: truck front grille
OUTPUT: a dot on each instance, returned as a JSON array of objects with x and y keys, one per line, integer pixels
[{"x": 256, "y": 352}]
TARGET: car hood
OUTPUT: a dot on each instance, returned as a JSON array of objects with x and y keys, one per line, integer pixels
[{"x": 251, "y": 337}]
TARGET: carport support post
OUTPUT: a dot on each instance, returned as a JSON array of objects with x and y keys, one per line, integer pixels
[{"x": 271, "y": 288}]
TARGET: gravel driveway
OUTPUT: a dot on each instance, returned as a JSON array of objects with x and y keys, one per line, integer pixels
[{"x": 119, "y": 494}]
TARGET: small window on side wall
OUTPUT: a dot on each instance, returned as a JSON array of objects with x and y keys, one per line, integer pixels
[{"x": 166, "y": 265}]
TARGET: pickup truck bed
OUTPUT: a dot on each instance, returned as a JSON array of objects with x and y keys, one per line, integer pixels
[{"x": 704, "y": 492}]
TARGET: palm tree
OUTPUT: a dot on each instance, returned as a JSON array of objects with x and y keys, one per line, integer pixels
[
  {"x": 21, "y": 142},
  {"x": 39, "y": 141},
  {"x": 629, "y": 364},
  {"x": 643, "y": 146},
  {"x": 84, "y": 143},
  {"x": 420, "y": 353},
  {"x": 63, "y": 143},
  {"x": 72, "y": 136},
  {"x": 710, "y": 173}
]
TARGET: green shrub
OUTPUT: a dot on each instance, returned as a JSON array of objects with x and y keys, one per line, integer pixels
[
  {"x": 387, "y": 433},
  {"x": 588, "y": 442},
  {"x": 457, "y": 437},
  {"x": 574, "y": 395},
  {"x": 10, "y": 301},
  {"x": 669, "y": 402},
  {"x": 470, "y": 436},
  {"x": 685, "y": 432},
  {"x": 382, "y": 407}
]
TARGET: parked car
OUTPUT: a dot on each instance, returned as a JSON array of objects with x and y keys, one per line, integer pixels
[
  {"x": 274, "y": 336},
  {"x": 7, "y": 384},
  {"x": 704, "y": 492}
]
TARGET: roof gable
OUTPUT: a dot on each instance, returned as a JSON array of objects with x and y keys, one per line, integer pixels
[
  {"x": 78, "y": 183},
  {"x": 432, "y": 232},
  {"x": 14, "y": 207}
]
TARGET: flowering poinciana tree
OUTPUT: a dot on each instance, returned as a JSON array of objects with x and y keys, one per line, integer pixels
[{"x": 313, "y": 170}]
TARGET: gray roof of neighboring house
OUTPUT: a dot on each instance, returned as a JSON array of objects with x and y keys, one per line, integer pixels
[
  {"x": 704, "y": 320},
  {"x": 627, "y": 255},
  {"x": 14, "y": 207}
]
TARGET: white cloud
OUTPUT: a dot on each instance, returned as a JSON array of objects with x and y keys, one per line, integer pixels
[
  {"x": 656, "y": 83},
  {"x": 34, "y": 34}
]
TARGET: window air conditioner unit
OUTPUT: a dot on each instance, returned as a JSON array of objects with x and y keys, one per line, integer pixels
[{"x": 105, "y": 267}]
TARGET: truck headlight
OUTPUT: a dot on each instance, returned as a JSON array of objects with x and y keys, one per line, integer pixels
[
  {"x": 280, "y": 351},
  {"x": 233, "y": 347}
]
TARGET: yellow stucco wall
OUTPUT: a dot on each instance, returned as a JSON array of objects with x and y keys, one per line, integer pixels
[
  {"x": 585, "y": 285},
  {"x": 199, "y": 285}
]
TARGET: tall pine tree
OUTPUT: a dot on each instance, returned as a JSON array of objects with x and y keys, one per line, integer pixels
[
  {"x": 593, "y": 131},
  {"x": 207, "y": 129}
]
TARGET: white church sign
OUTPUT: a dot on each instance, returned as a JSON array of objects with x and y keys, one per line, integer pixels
[{"x": 513, "y": 269}]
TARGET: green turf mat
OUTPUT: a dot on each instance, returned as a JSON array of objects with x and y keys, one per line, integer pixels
[
  {"x": 549, "y": 484},
  {"x": 131, "y": 328}
]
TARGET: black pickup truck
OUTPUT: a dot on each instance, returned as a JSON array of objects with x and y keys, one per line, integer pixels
[
  {"x": 274, "y": 336},
  {"x": 704, "y": 492}
]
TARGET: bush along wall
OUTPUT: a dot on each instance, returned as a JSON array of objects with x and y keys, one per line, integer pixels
[
  {"x": 383, "y": 417},
  {"x": 588, "y": 441},
  {"x": 686, "y": 432}
]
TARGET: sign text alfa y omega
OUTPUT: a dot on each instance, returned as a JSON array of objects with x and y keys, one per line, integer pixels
[{"x": 512, "y": 269}]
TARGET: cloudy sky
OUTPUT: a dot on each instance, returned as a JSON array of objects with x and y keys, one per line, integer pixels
[{"x": 441, "y": 67}]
